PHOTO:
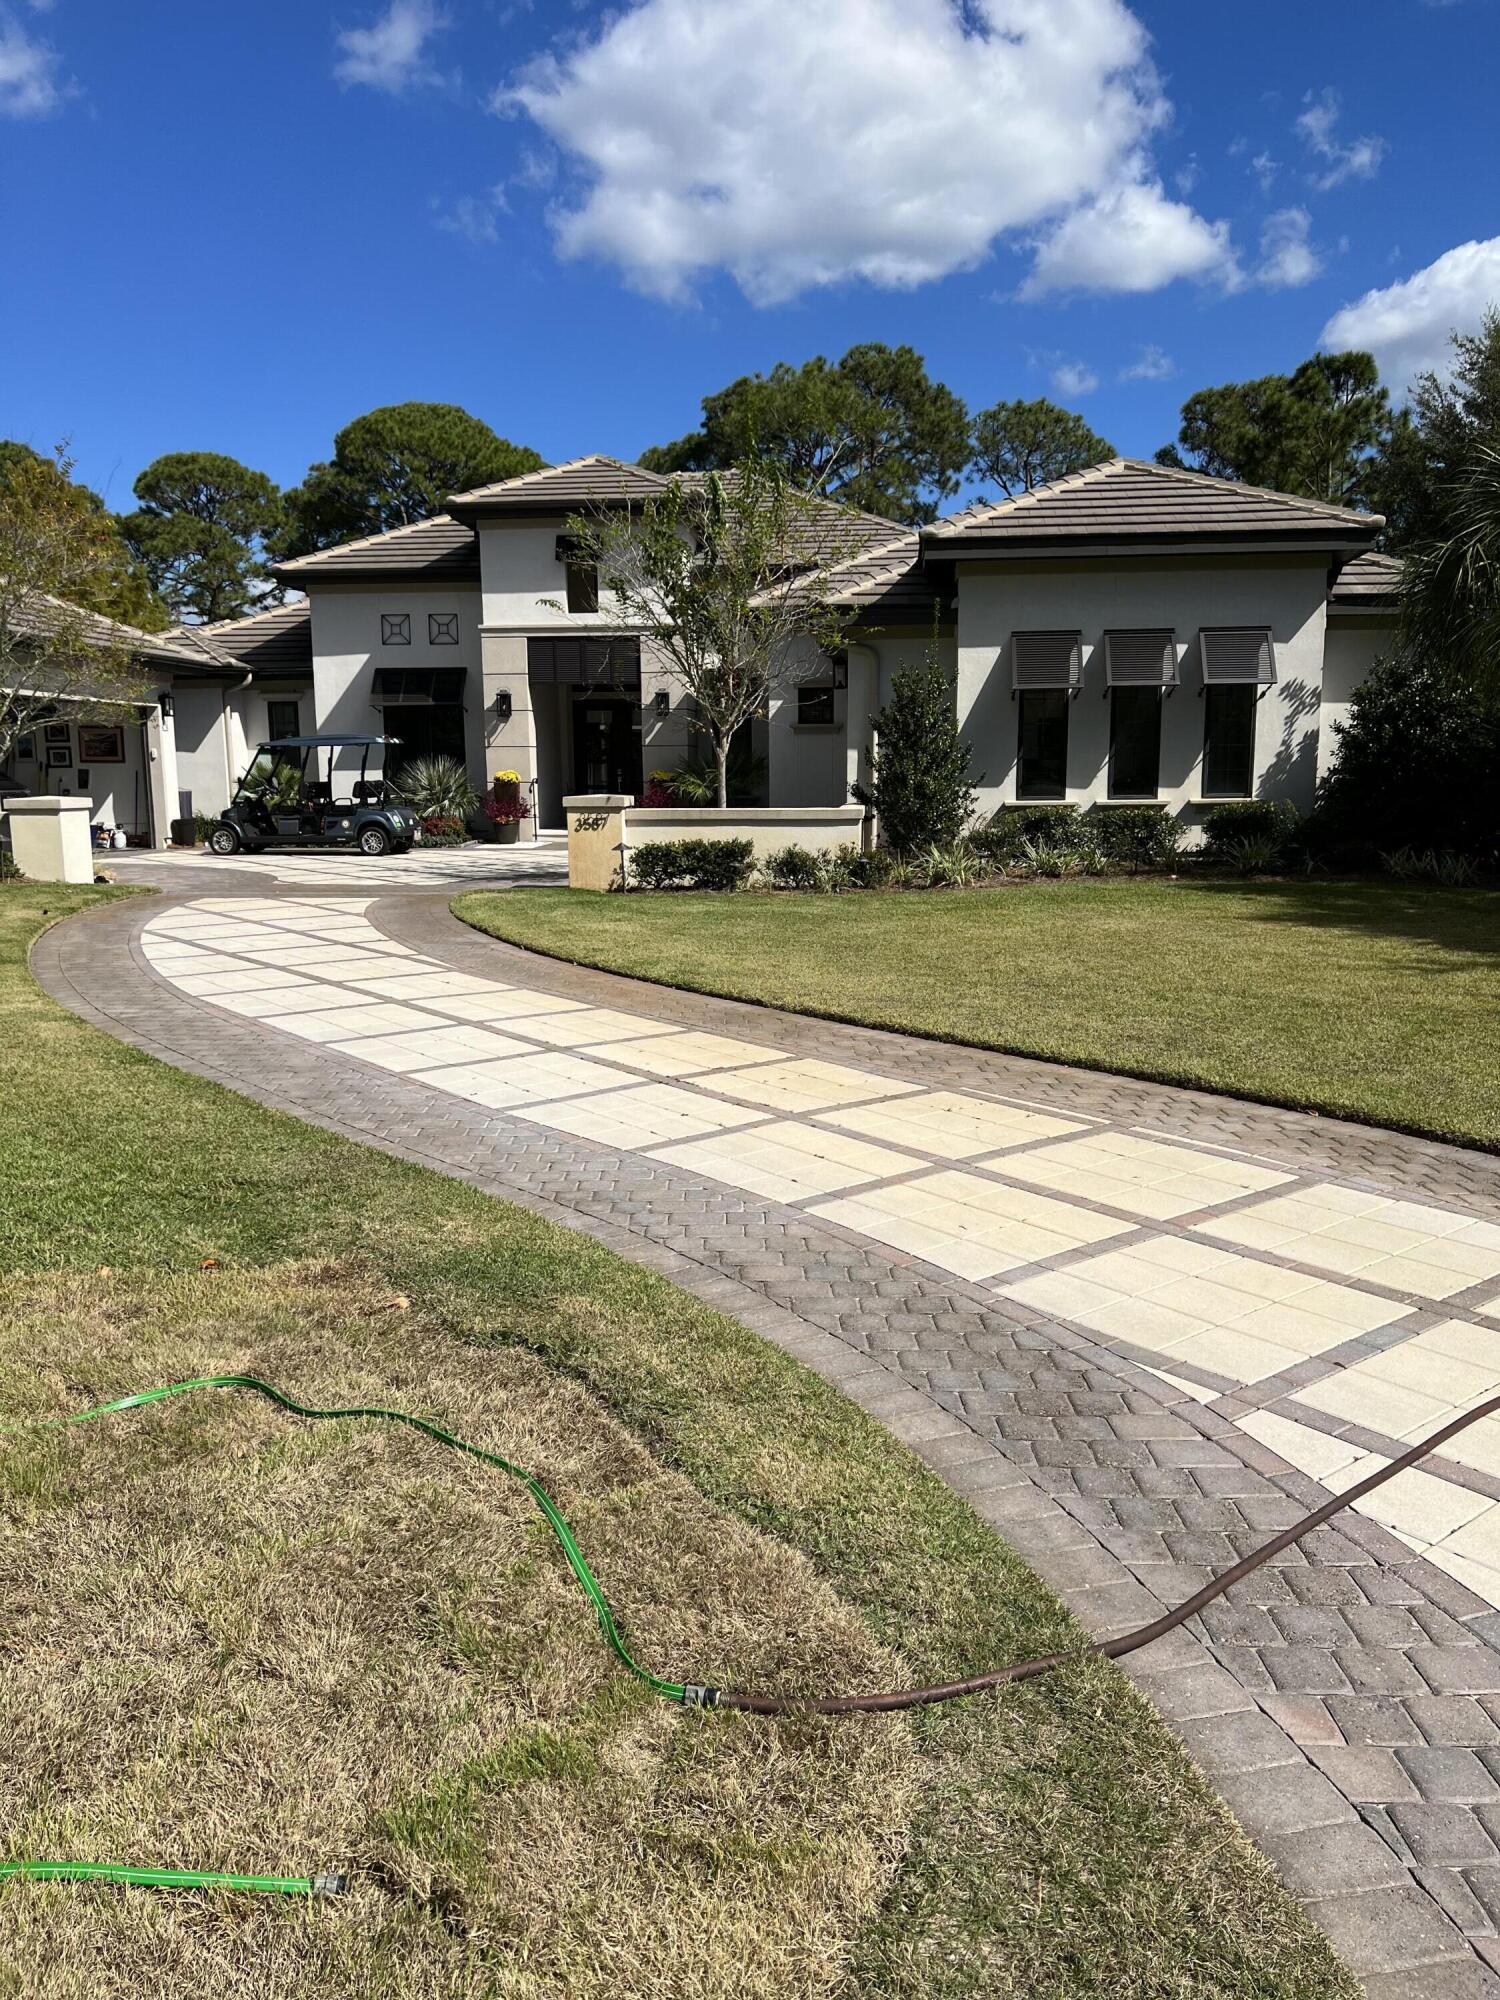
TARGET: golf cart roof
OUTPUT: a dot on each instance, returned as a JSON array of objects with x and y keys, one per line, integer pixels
[{"x": 327, "y": 742}]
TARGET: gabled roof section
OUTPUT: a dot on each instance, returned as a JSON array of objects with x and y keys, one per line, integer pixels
[
  {"x": 1372, "y": 582},
  {"x": 441, "y": 550},
  {"x": 274, "y": 642},
  {"x": 41, "y": 614},
  {"x": 886, "y": 583},
  {"x": 562, "y": 489},
  {"x": 1129, "y": 502}
]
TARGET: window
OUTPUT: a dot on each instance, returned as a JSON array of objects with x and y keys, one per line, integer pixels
[
  {"x": 815, "y": 705},
  {"x": 283, "y": 718},
  {"x": 1229, "y": 740},
  {"x": 1134, "y": 742},
  {"x": 395, "y": 628},
  {"x": 1042, "y": 755},
  {"x": 442, "y": 628},
  {"x": 583, "y": 586}
]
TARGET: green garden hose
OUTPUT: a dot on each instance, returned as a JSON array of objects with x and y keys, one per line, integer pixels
[{"x": 691, "y": 1694}]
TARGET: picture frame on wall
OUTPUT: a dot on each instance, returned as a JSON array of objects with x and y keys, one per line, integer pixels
[
  {"x": 56, "y": 732},
  {"x": 101, "y": 743},
  {"x": 59, "y": 757}
]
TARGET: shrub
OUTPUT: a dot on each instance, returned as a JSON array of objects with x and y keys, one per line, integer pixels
[
  {"x": 1133, "y": 837},
  {"x": 1238, "y": 820},
  {"x": 794, "y": 868},
  {"x": 437, "y": 788},
  {"x": 1416, "y": 765},
  {"x": 1253, "y": 853},
  {"x": 1411, "y": 864},
  {"x": 444, "y": 830},
  {"x": 955, "y": 866},
  {"x": 1002, "y": 840},
  {"x": 920, "y": 785},
  {"x": 691, "y": 864}
]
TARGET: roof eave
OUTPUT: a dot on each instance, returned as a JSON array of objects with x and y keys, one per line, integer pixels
[{"x": 1133, "y": 542}]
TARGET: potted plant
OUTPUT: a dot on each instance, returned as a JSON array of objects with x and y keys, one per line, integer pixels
[{"x": 505, "y": 808}]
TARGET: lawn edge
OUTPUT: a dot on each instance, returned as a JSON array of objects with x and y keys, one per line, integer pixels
[{"x": 1309, "y": 1107}]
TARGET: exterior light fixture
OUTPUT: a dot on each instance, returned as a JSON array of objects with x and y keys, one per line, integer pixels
[
  {"x": 661, "y": 701},
  {"x": 164, "y": 702},
  {"x": 503, "y": 705}
]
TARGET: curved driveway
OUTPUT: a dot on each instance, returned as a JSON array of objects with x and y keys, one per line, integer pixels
[{"x": 1134, "y": 1326}]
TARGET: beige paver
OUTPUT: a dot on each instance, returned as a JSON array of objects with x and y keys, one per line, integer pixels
[
  {"x": 1429, "y": 1252},
  {"x": 679, "y": 1055},
  {"x": 787, "y": 1161},
  {"x": 591, "y": 1027},
  {"x": 1148, "y": 1177},
  {"x": 521, "y": 1080},
  {"x": 425, "y": 1048},
  {"x": 952, "y": 1124},
  {"x": 969, "y": 1225},
  {"x": 807, "y": 1084},
  {"x": 639, "y": 1116}
]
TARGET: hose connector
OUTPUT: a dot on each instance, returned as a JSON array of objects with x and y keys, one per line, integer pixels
[
  {"x": 329, "y": 1884},
  {"x": 696, "y": 1696}
]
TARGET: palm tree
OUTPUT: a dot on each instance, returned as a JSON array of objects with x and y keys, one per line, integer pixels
[{"x": 1451, "y": 587}]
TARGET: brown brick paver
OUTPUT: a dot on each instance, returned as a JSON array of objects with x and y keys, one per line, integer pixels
[{"x": 1341, "y": 1699}]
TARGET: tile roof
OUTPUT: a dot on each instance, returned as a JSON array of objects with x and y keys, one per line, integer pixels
[
  {"x": 886, "y": 581},
  {"x": 41, "y": 614},
  {"x": 277, "y": 641},
  {"x": 1370, "y": 583},
  {"x": 1129, "y": 500},
  {"x": 564, "y": 487},
  {"x": 442, "y": 550}
]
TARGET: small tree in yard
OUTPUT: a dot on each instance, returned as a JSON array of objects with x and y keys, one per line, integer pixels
[
  {"x": 726, "y": 578},
  {"x": 51, "y": 555},
  {"x": 921, "y": 785}
]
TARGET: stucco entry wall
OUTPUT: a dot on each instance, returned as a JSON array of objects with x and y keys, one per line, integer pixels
[
  {"x": 348, "y": 649},
  {"x": 1283, "y": 593},
  {"x": 1354, "y": 645}
]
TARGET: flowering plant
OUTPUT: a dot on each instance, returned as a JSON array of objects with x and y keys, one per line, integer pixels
[
  {"x": 507, "y": 777},
  {"x": 507, "y": 811}
]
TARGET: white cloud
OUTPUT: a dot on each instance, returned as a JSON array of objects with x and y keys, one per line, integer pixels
[
  {"x": 476, "y": 216},
  {"x": 1359, "y": 160},
  {"x": 1131, "y": 239},
  {"x": 1406, "y": 325},
  {"x": 1265, "y": 170},
  {"x": 391, "y": 54},
  {"x": 1287, "y": 254},
  {"x": 799, "y": 145},
  {"x": 1152, "y": 364},
  {"x": 30, "y": 86},
  {"x": 1074, "y": 378}
]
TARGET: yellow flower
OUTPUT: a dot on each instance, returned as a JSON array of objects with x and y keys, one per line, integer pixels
[{"x": 507, "y": 777}]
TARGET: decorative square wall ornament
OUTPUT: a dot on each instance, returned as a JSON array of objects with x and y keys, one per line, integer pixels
[
  {"x": 395, "y": 628},
  {"x": 442, "y": 628}
]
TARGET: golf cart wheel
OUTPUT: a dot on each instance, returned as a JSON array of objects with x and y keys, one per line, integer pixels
[
  {"x": 374, "y": 840},
  {"x": 224, "y": 840}
]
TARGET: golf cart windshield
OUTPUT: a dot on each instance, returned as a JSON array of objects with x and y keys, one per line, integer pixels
[{"x": 322, "y": 769}]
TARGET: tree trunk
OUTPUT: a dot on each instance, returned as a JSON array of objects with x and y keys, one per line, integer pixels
[{"x": 721, "y": 759}]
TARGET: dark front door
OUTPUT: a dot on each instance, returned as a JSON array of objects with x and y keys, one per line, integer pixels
[{"x": 606, "y": 745}]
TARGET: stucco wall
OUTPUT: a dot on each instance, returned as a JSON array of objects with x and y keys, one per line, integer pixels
[
  {"x": 1285, "y": 594},
  {"x": 812, "y": 765},
  {"x": 1354, "y": 645},
  {"x": 347, "y": 652}
]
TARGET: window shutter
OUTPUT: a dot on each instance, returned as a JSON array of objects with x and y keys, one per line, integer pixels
[
  {"x": 1047, "y": 659},
  {"x": 1140, "y": 659},
  {"x": 1237, "y": 656}
]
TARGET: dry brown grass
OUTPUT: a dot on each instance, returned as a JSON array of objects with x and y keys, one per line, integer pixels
[{"x": 235, "y": 1640}]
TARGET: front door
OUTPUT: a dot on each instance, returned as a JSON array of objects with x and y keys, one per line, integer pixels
[{"x": 606, "y": 745}]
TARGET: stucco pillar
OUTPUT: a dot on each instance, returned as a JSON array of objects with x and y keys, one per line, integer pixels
[
  {"x": 861, "y": 701},
  {"x": 52, "y": 839},
  {"x": 161, "y": 773},
  {"x": 510, "y": 741}
]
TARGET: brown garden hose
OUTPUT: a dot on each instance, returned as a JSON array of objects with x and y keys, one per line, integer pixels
[{"x": 1108, "y": 1649}]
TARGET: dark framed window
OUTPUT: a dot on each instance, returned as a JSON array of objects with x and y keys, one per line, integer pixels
[
  {"x": 283, "y": 718},
  {"x": 395, "y": 628},
  {"x": 442, "y": 628},
  {"x": 1229, "y": 740},
  {"x": 1134, "y": 742},
  {"x": 815, "y": 705},
  {"x": 583, "y": 585},
  {"x": 1042, "y": 745}
]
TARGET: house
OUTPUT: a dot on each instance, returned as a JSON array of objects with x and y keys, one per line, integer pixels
[{"x": 1132, "y": 632}]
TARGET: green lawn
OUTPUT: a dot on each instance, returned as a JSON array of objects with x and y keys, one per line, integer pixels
[
  {"x": 1375, "y": 1001},
  {"x": 232, "y": 1640}
]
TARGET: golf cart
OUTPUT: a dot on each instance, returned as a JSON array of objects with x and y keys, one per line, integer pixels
[{"x": 286, "y": 799}]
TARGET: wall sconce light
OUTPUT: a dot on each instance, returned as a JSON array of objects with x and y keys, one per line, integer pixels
[
  {"x": 503, "y": 705},
  {"x": 164, "y": 702},
  {"x": 661, "y": 702}
]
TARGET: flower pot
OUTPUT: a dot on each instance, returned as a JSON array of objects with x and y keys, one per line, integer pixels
[{"x": 507, "y": 831}]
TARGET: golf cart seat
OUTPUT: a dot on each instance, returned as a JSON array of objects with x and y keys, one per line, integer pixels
[{"x": 370, "y": 788}]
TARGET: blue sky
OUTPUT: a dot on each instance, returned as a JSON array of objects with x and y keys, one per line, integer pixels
[{"x": 235, "y": 228}]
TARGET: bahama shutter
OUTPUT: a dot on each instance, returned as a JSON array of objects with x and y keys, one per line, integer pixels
[
  {"x": 418, "y": 687},
  {"x": 1237, "y": 656},
  {"x": 1140, "y": 659},
  {"x": 1046, "y": 660}
]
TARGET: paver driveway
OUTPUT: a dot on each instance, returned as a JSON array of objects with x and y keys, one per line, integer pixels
[{"x": 1117, "y": 1338}]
